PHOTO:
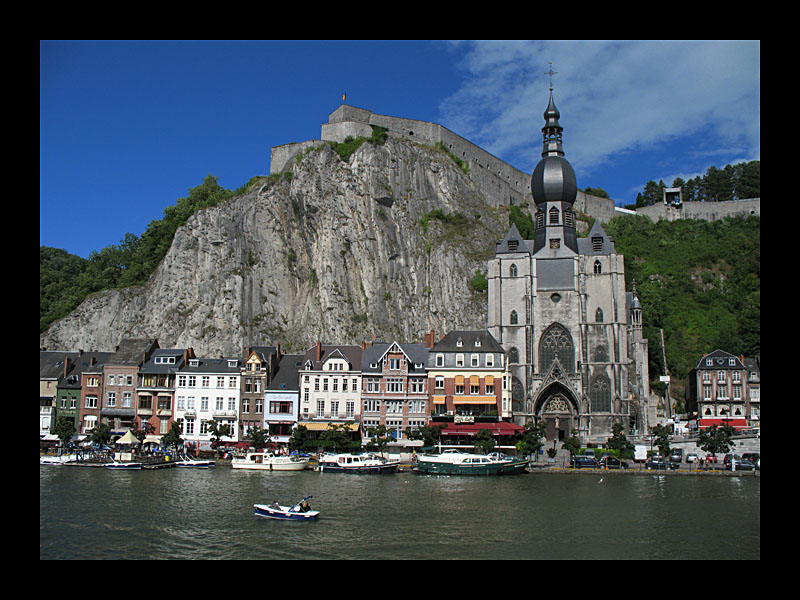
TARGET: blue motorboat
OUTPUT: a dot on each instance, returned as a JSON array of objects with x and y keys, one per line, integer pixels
[{"x": 290, "y": 513}]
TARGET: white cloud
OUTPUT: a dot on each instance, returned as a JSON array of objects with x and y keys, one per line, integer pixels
[{"x": 614, "y": 97}]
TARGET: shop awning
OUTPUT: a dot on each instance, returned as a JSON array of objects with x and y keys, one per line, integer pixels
[
  {"x": 312, "y": 426},
  {"x": 438, "y": 399},
  {"x": 738, "y": 423},
  {"x": 474, "y": 400},
  {"x": 471, "y": 429}
]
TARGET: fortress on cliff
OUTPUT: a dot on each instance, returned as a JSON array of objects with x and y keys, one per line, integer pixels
[{"x": 498, "y": 181}]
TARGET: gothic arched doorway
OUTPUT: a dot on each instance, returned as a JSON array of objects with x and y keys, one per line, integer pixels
[{"x": 558, "y": 408}]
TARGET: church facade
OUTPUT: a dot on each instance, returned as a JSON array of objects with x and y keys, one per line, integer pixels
[{"x": 558, "y": 306}]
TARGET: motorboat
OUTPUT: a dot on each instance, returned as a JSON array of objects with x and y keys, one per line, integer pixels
[
  {"x": 123, "y": 465},
  {"x": 57, "y": 460},
  {"x": 267, "y": 461},
  {"x": 288, "y": 513},
  {"x": 191, "y": 462},
  {"x": 456, "y": 462},
  {"x": 356, "y": 463}
]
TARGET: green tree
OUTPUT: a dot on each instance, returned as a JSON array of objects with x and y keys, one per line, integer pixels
[
  {"x": 661, "y": 434},
  {"x": 63, "y": 429},
  {"x": 380, "y": 438},
  {"x": 572, "y": 444},
  {"x": 257, "y": 436},
  {"x": 484, "y": 442},
  {"x": 600, "y": 192},
  {"x": 173, "y": 437},
  {"x": 429, "y": 434},
  {"x": 523, "y": 221},
  {"x": 299, "y": 439},
  {"x": 532, "y": 439},
  {"x": 338, "y": 437},
  {"x": 618, "y": 441},
  {"x": 100, "y": 434},
  {"x": 218, "y": 431},
  {"x": 716, "y": 440}
]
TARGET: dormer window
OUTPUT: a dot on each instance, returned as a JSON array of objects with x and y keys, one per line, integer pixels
[
  {"x": 459, "y": 343},
  {"x": 477, "y": 342},
  {"x": 232, "y": 363},
  {"x": 194, "y": 362}
]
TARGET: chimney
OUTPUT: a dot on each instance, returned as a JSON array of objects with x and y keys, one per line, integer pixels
[
  {"x": 430, "y": 339},
  {"x": 319, "y": 351},
  {"x": 67, "y": 363},
  {"x": 92, "y": 361},
  {"x": 363, "y": 345}
]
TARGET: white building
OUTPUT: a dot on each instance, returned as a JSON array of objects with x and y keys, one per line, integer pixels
[{"x": 208, "y": 389}]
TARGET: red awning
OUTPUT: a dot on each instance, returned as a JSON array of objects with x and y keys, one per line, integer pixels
[
  {"x": 472, "y": 429},
  {"x": 738, "y": 423}
]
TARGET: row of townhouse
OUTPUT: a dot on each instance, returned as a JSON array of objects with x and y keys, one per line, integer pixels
[{"x": 140, "y": 386}]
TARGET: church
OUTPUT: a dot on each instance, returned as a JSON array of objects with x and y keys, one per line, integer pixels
[{"x": 558, "y": 306}]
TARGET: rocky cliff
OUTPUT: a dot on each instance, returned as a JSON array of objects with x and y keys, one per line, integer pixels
[{"x": 339, "y": 252}]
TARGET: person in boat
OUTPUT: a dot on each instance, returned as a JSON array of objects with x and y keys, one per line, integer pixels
[
  {"x": 304, "y": 507},
  {"x": 275, "y": 504}
]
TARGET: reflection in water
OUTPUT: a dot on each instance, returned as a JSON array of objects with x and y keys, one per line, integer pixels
[{"x": 208, "y": 514}]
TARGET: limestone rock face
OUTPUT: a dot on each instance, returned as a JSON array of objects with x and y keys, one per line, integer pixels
[{"x": 336, "y": 253}]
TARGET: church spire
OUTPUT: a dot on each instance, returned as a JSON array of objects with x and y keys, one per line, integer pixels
[{"x": 552, "y": 128}]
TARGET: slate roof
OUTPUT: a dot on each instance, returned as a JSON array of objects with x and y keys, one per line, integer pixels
[
  {"x": 350, "y": 353},
  {"x": 212, "y": 365},
  {"x": 586, "y": 246},
  {"x": 720, "y": 360},
  {"x": 415, "y": 353},
  {"x": 131, "y": 351},
  {"x": 287, "y": 378},
  {"x": 468, "y": 337}
]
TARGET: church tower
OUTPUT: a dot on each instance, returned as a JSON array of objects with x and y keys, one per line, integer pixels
[{"x": 558, "y": 306}]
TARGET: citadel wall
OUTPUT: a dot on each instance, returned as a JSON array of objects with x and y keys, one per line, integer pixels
[{"x": 495, "y": 178}]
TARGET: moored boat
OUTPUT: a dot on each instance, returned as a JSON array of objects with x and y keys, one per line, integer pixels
[
  {"x": 123, "y": 465},
  {"x": 456, "y": 462},
  {"x": 289, "y": 513},
  {"x": 266, "y": 461},
  {"x": 57, "y": 460},
  {"x": 191, "y": 462},
  {"x": 356, "y": 463}
]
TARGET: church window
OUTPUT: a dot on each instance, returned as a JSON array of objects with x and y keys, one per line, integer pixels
[
  {"x": 514, "y": 317},
  {"x": 512, "y": 245},
  {"x": 568, "y": 218},
  {"x": 598, "y": 315},
  {"x": 598, "y": 268},
  {"x": 512, "y": 271},
  {"x": 539, "y": 219},
  {"x": 554, "y": 216},
  {"x": 556, "y": 342},
  {"x": 600, "y": 394},
  {"x": 597, "y": 244},
  {"x": 513, "y": 356}
]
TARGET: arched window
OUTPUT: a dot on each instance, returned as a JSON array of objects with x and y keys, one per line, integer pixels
[
  {"x": 556, "y": 341},
  {"x": 512, "y": 271},
  {"x": 598, "y": 268},
  {"x": 600, "y": 393},
  {"x": 514, "y": 317},
  {"x": 513, "y": 356},
  {"x": 598, "y": 315},
  {"x": 554, "y": 216}
]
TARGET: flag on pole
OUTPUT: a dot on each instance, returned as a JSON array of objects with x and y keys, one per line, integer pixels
[{"x": 343, "y": 97}]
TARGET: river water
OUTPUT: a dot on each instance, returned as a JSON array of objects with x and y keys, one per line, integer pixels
[{"x": 95, "y": 513}]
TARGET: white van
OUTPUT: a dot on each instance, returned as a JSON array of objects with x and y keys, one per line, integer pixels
[{"x": 639, "y": 453}]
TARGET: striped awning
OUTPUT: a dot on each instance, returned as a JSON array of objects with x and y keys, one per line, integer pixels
[
  {"x": 474, "y": 400},
  {"x": 438, "y": 399},
  {"x": 317, "y": 426}
]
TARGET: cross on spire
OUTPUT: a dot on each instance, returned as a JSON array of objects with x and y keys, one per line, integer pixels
[{"x": 551, "y": 73}]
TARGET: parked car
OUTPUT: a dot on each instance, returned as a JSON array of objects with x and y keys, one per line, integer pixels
[
  {"x": 742, "y": 464},
  {"x": 657, "y": 463},
  {"x": 676, "y": 455},
  {"x": 691, "y": 457},
  {"x": 583, "y": 462},
  {"x": 607, "y": 461},
  {"x": 755, "y": 457}
]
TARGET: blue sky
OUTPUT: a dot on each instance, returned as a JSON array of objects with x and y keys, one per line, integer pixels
[{"x": 126, "y": 128}]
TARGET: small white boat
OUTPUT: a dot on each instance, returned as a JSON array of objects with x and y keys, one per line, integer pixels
[
  {"x": 267, "y": 461},
  {"x": 288, "y": 513},
  {"x": 123, "y": 465},
  {"x": 187, "y": 462},
  {"x": 356, "y": 463},
  {"x": 57, "y": 460}
]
